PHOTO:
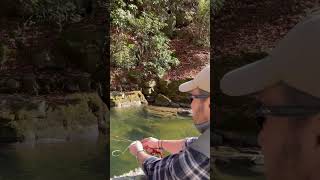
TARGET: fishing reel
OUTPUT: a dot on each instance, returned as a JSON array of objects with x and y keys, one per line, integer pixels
[{"x": 158, "y": 152}]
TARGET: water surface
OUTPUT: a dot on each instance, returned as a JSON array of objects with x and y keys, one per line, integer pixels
[{"x": 54, "y": 159}]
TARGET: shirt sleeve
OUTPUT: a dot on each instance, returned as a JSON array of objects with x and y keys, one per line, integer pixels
[
  {"x": 189, "y": 141},
  {"x": 188, "y": 164}
]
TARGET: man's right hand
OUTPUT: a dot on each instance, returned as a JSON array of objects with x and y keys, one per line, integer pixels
[{"x": 151, "y": 143}]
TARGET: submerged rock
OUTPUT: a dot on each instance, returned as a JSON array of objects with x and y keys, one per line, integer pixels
[
  {"x": 185, "y": 112},
  {"x": 162, "y": 112}
]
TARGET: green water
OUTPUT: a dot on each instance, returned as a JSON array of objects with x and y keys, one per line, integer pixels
[
  {"x": 54, "y": 161},
  {"x": 136, "y": 124}
]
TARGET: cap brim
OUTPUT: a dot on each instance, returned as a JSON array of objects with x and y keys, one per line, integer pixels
[
  {"x": 187, "y": 86},
  {"x": 251, "y": 78}
]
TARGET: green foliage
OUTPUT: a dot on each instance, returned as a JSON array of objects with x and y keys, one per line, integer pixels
[
  {"x": 57, "y": 12},
  {"x": 202, "y": 23},
  {"x": 123, "y": 52},
  {"x": 137, "y": 40}
]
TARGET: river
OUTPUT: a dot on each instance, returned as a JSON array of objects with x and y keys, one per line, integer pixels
[{"x": 82, "y": 158}]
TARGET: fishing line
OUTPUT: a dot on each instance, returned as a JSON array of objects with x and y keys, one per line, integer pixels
[
  {"x": 117, "y": 138},
  {"x": 118, "y": 152}
]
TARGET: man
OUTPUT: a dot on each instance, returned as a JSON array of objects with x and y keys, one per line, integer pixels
[
  {"x": 190, "y": 157},
  {"x": 286, "y": 84}
]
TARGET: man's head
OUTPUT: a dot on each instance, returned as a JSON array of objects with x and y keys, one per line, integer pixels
[
  {"x": 286, "y": 84},
  {"x": 199, "y": 89}
]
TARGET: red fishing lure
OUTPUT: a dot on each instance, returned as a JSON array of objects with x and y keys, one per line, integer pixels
[{"x": 154, "y": 151}]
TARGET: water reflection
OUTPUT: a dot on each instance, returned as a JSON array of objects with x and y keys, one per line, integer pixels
[{"x": 81, "y": 158}]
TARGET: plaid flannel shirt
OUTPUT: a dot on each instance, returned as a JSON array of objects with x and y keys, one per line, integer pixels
[{"x": 187, "y": 164}]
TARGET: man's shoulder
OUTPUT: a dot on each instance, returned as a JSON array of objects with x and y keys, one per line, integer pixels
[{"x": 202, "y": 144}]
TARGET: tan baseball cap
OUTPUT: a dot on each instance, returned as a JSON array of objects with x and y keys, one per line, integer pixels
[
  {"x": 295, "y": 61},
  {"x": 201, "y": 81}
]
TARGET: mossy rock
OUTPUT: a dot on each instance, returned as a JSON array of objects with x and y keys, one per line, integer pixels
[
  {"x": 162, "y": 100},
  {"x": 161, "y": 112},
  {"x": 32, "y": 118},
  {"x": 171, "y": 90},
  {"x": 119, "y": 99}
]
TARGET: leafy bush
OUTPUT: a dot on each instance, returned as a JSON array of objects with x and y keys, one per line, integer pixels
[
  {"x": 202, "y": 23},
  {"x": 137, "y": 42}
]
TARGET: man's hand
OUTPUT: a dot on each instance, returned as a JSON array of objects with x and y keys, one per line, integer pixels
[
  {"x": 135, "y": 147},
  {"x": 151, "y": 142}
]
